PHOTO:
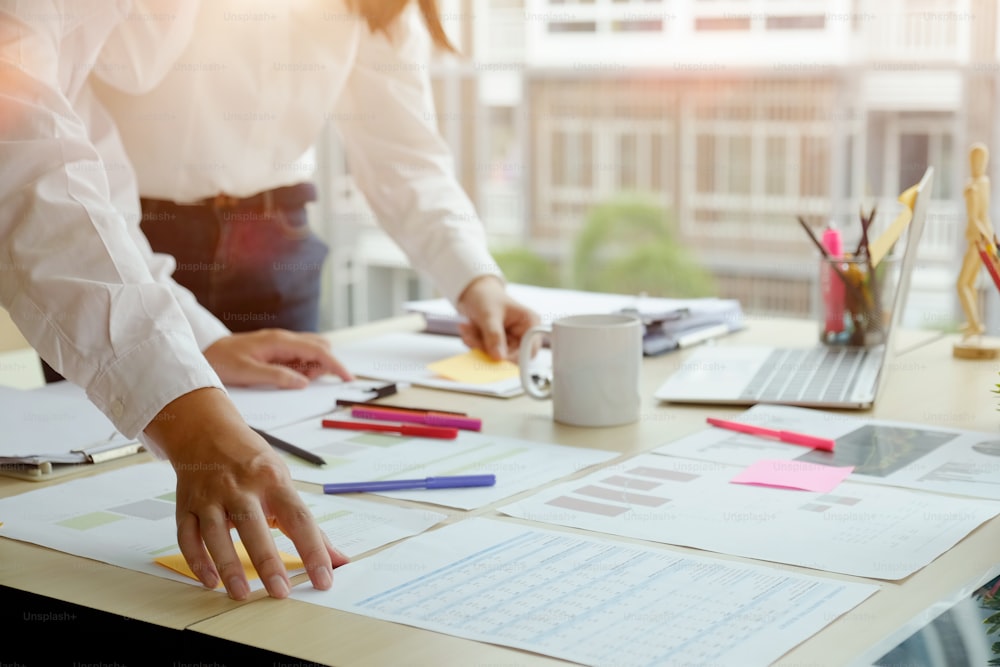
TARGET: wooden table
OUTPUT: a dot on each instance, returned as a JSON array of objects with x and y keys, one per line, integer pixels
[{"x": 925, "y": 384}]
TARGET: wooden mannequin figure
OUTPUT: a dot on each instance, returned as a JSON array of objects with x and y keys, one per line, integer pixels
[{"x": 978, "y": 235}]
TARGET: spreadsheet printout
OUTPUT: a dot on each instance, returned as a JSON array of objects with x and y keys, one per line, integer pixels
[{"x": 586, "y": 599}]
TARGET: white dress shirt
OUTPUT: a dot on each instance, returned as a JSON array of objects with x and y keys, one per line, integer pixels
[
  {"x": 249, "y": 95},
  {"x": 75, "y": 272}
]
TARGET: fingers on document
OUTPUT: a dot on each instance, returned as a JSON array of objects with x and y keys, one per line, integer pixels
[
  {"x": 311, "y": 352},
  {"x": 470, "y": 336},
  {"x": 277, "y": 375},
  {"x": 318, "y": 557},
  {"x": 252, "y": 525},
  {"x": 492, "y": 343},
  {"x": 194, "y": 552}
]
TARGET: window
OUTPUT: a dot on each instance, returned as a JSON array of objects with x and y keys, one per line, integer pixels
[
  {"x": 795, "y": 22},
  {"x": 705, "y": 24},
  {"x": 775, "y": 164},
  {"x": 572, "y": 26}
]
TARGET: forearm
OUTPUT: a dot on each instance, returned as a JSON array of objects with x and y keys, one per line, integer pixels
[
  {"x": 72, "y": 280},
  {"x": 403, "y": 165}
]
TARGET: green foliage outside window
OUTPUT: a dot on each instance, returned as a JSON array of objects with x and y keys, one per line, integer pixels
[
  {"x": 525, "y": 266},
  {"x": 628, "y": 245}
]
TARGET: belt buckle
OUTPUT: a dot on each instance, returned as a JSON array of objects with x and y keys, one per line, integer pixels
[{"x": 223, "y": 201}]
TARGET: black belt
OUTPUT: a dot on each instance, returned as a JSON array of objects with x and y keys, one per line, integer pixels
[{"x": 288, "y": 197}]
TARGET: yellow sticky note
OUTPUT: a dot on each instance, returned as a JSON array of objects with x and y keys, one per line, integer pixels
[
  {"x": 474, "y": 367},
  {"x": 177, "y": 563}
]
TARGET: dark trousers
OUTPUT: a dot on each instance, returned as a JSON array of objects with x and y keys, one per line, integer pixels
[{"x": 254, "y": 263}]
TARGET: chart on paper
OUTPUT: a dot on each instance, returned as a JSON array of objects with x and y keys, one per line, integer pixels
[
  {"x": 519, "y": 465},
  {"x": 126, "y": 518},
  {"x": 860, "y": 529},
  {"x": 586, "y": 599},
  {"x": 915, "y": 456}
]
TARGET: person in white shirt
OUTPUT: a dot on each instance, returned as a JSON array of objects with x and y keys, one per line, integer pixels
[
  {"x": 221, "y": 141},
  {"x": 83, "y": 287}
]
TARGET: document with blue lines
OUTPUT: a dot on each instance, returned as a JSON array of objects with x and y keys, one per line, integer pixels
[{"x": 589, "y": 600}]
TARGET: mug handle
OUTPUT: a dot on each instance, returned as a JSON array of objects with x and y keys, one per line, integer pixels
[{"x": 524, "y": 359}]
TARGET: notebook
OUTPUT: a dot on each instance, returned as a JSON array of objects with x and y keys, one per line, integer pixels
[{"x": 812, "y": 376}]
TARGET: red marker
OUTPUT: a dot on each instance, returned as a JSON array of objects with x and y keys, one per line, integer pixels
[
  {"x": 416, "y": 430},
  {"x": 791, "y": 437}
]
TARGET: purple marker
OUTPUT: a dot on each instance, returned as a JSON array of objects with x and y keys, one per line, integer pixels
[{"x": 456, "y": 482}]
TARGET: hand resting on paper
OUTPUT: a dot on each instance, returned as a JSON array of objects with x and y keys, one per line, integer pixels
[
  {"x": 284, "y": 359},
  {"x": 228, "y": 477},
  {"x": 496, "y": 322}
]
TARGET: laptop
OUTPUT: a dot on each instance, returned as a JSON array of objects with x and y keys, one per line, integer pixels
[{"x": 822, "y": 376}]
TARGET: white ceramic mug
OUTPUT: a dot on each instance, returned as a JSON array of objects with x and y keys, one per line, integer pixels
[{"x": 596, "y": 361}]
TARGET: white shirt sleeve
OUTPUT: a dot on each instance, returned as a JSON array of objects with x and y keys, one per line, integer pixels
[
  {"x": 70, "y": 275},
  {"x": 125, "y": 198},
  {"x": 402, "y": 164}
]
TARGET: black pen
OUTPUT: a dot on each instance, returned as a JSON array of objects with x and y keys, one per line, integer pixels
[
  {"x": 278, "y": 443},
  {"x": 344, "y": 403}
]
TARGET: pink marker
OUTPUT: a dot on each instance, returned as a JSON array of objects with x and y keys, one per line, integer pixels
[
  {"x": 429, "y": 418},
  {"x": 833, "y": 286},
  {"x": 791, "y": 437}
]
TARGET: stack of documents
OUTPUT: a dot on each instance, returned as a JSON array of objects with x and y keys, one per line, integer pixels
[
  {"x": 670, "y": 323},
  {"x": 52, "y": 426}
]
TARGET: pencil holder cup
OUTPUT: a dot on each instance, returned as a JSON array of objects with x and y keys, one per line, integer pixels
[
  {"x": 596, "y": 361},
  {"x": 856, "y": 300}
]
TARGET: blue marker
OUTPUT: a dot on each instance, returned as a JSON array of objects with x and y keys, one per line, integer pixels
[{"x": 457, "y": 482}]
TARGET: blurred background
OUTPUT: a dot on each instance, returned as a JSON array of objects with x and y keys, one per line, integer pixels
[{"x": 668, "y": 145}]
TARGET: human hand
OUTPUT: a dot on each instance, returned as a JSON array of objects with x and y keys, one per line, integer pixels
[
  {"x": 285, "y": 359},
  {"x": 228, "y": 477},
  {"x": 496, "y": 322}
]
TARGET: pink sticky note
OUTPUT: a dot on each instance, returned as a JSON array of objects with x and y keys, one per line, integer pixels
[{"x": 794, "y": 475}]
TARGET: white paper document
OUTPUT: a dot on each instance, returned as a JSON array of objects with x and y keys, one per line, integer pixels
[
  {"x": 589, "y": 600},
  {"x": 917, "y": 456},
  {"x": 354, "y": 456},
  {"x": 859, "y": 529},
  {"x": 53, "y": 424},
  {"x": 269, "y": 408},
  {"x": 58, "y": 424},
  {"x": 403, "y": 357},
  {"x": 127, "y": 518}
]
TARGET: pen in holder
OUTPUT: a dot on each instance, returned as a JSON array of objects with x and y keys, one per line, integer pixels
[{"x": 867, "y": 293}]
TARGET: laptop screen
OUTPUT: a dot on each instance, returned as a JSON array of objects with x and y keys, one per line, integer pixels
[
  {"x": 818, "y": 375},
  {"x": 917, "y": 197}
]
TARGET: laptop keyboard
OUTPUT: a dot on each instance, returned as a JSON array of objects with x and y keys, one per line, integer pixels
[{"x": 820, "y": 374}]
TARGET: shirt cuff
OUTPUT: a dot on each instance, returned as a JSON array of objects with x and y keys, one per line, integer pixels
[
  {"x": 207, "y": 330},
  {"x": 133, "y": 390},
  {"x": 455, "y": 269},
  {"x": 205, "y": 326}
]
